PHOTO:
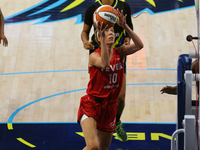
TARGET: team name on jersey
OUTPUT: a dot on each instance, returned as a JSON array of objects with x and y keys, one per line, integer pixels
[{"x": 114, "y": 67}]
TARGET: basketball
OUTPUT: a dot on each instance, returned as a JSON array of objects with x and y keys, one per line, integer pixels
[{"x": 105, "y": 14}]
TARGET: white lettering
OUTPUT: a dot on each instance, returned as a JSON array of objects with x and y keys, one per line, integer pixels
[
  {"x": 113, "y": 67},
  {"x": 117, "y": 67},
  {"x": 107, "y": 69},
  {"x": 111, "y": 86},
  {"x": 102, "y": 69}
]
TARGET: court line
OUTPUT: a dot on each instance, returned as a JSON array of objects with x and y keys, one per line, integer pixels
[
  {"x": 10, "y": 120},
  {"x": 13, "y": 73},
  {"x": 76, "y": 122},
  {"x": 26, "y": 143},
  {"x": 154, "y": 69},
  {"x": 32, "y": 72},
  {"x": 19, "y": 109},
  {"x": 151, "y": 84},
  {"x": 9, "y": 124}
]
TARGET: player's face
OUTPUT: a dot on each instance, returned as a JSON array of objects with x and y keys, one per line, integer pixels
[{"x": 110, "y": 35}]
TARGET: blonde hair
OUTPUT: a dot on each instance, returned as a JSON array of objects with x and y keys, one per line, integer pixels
[
  {"x": 96, "y": 34},
  {"x": 96, "y": 37}
]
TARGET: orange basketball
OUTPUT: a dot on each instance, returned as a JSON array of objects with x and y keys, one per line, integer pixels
[{"x": 105, "y": 14}]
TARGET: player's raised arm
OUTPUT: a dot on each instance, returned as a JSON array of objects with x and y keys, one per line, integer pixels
[
  {"x": 137, "y": 45},
  {"x": 102, "y": 60}
]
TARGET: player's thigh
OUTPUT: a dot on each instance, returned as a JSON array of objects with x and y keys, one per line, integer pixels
[
  {"x": 105, "y": 139},
  {"x": 90, "y": 132},
  {"x": 123, "y": 89}
]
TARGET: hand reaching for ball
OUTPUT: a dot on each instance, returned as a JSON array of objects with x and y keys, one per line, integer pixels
[
  {"x": 100, "y": 29},
  {"x": 122, "y": 19}
]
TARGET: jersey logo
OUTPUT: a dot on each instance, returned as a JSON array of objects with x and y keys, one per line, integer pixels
[
  {"x": 48, "y": 11},
  {"x": 112, "y": 124}
]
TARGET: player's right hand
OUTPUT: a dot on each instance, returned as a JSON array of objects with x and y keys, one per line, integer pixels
[
  {"x": 169, "y": 90},
  {"x": 100, "y": 29},
  {"x": 4, "y": 39},
  {"x": 88, "y": 45}
]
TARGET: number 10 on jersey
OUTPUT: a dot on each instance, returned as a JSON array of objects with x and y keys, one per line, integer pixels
[{"x": 112, "y": 78}]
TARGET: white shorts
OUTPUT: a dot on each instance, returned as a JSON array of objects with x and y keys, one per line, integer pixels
[{"x": 83, "y": 118}]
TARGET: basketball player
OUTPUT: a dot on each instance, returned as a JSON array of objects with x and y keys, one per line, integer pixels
[
  {"x": 2, "y": 36},
  {"x": 173, "y": 89},
  {"x": 97, "y": 110},
  {"x": 120, "y": 37}
]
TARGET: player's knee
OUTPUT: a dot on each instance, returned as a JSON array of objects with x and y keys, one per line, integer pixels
[
  {"x": 94, "y": 148},
  {"x": 104, "y": 147},
  {"x": 93, "y": 145}
]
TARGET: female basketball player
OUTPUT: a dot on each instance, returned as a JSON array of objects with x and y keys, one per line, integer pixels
[
  {"x": 121, "y": 38},
  {"x": 97, "y": 110},
  {"x": 2, "y": 36}
]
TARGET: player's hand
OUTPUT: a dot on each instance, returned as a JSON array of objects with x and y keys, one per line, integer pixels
[
  {"x": 122, "y": 19},
  {"x": 3, "y": 39},
  {"x": 88, "y": 45},
  {"x": 127, "y": 41},
  {"x": 169, "y": 90},
  {"x": 100, "y": 29}
]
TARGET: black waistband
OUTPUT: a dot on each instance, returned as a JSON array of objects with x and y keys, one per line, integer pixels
[{"x": 98, "y": 100}]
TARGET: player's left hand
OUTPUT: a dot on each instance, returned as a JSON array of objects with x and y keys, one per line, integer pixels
[{"x": 122, "y": 19}]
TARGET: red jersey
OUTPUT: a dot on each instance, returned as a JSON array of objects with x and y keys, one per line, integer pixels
[{"x": 107, "y": 82}]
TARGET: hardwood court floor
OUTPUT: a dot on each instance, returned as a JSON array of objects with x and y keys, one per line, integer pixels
[{"x": 43, "y": 71}]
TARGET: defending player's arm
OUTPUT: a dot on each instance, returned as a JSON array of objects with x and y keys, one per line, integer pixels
[
  {"x": 169, "y": 90},
  {"x": 129, "y": 22},
  {"x": 2, "y": 36},
  {"x": 86, "y": 30},
  {"x": 85, "y": 37},
  {"x": 137, "y": 45}
]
